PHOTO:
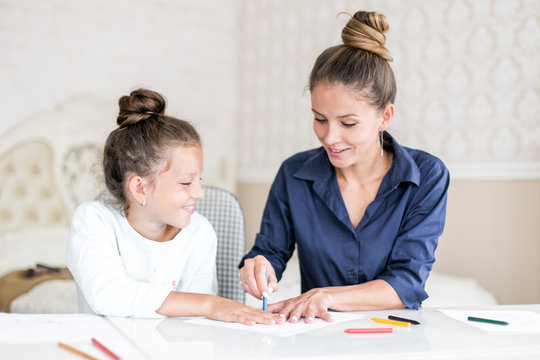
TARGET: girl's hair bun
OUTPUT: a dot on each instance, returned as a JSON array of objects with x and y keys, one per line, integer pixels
[
  {"x": 141, "y": 104},
  {"x": 365, "y": 30}
]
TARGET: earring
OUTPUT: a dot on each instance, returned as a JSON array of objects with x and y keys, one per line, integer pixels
[
  {"x": 381, "y": 133},
  {"x": 143, "y": 202}
]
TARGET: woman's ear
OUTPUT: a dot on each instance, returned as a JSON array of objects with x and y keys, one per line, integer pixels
[
  {"x": 136, "y": 189},
  {"x": 387, "y": 116}
]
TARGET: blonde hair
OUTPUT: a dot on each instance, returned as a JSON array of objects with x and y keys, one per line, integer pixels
[{"x": 361, "y": 62}]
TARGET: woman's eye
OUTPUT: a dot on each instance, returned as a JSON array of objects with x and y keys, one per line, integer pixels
[
  {"x": 186, "y": 183},
  {"x": 320, "y": 120},
  {"x": 349, "y": 125}
]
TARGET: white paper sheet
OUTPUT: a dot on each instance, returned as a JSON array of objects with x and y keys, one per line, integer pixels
[
  {"x": 285, "y": 329},
  {"x": 519, "y": 322}
]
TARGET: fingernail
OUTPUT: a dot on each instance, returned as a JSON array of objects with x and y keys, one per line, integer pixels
[
  {"x": 309, "y": 319},
  {"x": 294, "y": 318},
  {"x": 282, "y": 316},
  {"x": 270, "y": 290},
  {"x": 264, "y": 294}
]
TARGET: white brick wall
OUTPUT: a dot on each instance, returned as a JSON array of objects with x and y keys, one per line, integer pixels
[
  {"x": 237, "y": 69},
  {"x": 54, "y": 50}
]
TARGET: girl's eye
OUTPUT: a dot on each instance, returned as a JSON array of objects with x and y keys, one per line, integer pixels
[
  {"x": 187, "y": 183},
  {"x": 319, "y": 120},
  {"x": 349, "y": 125}
]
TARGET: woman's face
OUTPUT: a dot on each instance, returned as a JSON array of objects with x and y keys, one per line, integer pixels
[
  {"x": 176, "y": 189},
  {"x": 347, "y": 126}
]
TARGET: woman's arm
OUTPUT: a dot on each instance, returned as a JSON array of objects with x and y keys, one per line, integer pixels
[
  {"x": 274, "y": 243},
  {"x": 401, "y": 284},
  {"x": 371, "y": 295}
]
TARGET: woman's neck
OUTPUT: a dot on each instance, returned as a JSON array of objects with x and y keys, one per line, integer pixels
[{"x": 367, "y": 171}]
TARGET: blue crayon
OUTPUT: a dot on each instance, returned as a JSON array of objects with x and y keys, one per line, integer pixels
[{"x": 265, "y": 298}]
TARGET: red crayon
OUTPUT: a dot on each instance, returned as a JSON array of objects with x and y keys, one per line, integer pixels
[
  {"x": 369, "y": 331},
  {"x": 105, "y": 349}
]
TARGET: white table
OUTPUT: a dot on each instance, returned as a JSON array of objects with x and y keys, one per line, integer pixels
[{"x": 437, "y": 337}]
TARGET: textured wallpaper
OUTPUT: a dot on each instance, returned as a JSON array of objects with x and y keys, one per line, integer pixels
[{"x": 467, "y": 74}]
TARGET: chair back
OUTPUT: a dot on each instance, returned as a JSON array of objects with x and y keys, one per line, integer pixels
[{"x": 225, "y": 213}]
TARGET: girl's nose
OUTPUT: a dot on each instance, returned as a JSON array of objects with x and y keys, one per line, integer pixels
[{"x": 197, "y": 191}]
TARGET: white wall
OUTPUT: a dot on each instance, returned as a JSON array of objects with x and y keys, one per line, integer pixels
[
  {"x": 55, "y": 50},
  {"x": 467, "y": 75},
  {"x": 467, "y": 72}
]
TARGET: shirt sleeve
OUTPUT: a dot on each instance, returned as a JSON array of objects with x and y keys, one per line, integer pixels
[
  {"x": 412, "y": 255},
  {"x": 96, "y": 265},
  {"x": 275, "y": 240}
]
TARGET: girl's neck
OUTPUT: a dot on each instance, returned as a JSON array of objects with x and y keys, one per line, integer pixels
[{"x": 149, "y": 229}]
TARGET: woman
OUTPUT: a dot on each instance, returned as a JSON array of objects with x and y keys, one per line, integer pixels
[{"x": 364, "y": 212}]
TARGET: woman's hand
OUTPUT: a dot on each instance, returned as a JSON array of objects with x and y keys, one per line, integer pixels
[
  {"x": 231, "y": 311},
  {"x": 310, "y": 305},
  {"x": 253, "y": 277}
]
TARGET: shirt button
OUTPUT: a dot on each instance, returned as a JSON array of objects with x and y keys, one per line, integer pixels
[{"x": 351, "y": 272}]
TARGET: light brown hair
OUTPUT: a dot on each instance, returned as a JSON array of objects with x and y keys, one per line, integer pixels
[
  {"x": 361, "y": 62},
  {"x": 141, "y": 142}
]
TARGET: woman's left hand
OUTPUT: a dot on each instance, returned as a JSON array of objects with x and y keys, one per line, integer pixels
[{"x": 310, "y": 305}]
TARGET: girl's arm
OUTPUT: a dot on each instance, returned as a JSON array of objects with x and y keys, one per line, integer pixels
[
  {"x": 98, "y": 269},
  {"x": 216, "y": 308}
]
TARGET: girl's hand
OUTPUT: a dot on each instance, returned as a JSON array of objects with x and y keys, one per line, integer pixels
[
  {"x": 231, "y": 311},
  {"x": 253, "y": 277},
  {"x": 310, "y": 305}
]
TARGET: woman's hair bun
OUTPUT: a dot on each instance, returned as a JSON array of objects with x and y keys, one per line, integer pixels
[
  {"x": 365, "y": 30},
  {"x": 140, "y": 105}
]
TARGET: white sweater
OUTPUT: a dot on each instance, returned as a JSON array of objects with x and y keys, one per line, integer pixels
[{"x": 119, "y": 272}]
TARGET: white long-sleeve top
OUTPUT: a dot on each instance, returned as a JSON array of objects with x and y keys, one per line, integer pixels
[{"x": 119, "y": 272}]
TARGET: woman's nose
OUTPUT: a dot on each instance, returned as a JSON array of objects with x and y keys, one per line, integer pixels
[{"x": 332, "y": 135}]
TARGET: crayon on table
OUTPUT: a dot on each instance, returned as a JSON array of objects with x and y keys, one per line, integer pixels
[
  {"x": 487, "y": 321},
  {"x": 397, "y": 318},
  {"x": 76, "y": 351},
  {"x": 369, "y": 331},
  {"x": 105, "y": 349},
  {"x": 392, "y": 322}
]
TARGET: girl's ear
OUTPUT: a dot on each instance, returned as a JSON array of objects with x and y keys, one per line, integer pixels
[
  {"x": 387, "y": 116},
  {"x": 136, "y": 189}
]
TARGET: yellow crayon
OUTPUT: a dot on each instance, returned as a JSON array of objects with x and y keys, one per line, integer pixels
[{"x": 392, "y": 322}]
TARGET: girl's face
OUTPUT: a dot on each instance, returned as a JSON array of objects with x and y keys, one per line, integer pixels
[
  {"x": 171, "y": 198},
  {"x": 347, "y": 126}
]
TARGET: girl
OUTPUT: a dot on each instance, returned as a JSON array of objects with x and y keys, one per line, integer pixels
[{"x": 145, "y": 252}]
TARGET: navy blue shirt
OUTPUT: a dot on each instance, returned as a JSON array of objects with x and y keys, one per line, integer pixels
[{"x": 395, "y": 240}]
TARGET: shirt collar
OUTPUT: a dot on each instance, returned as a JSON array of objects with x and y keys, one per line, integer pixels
[{"x": 403, "y": 169}]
